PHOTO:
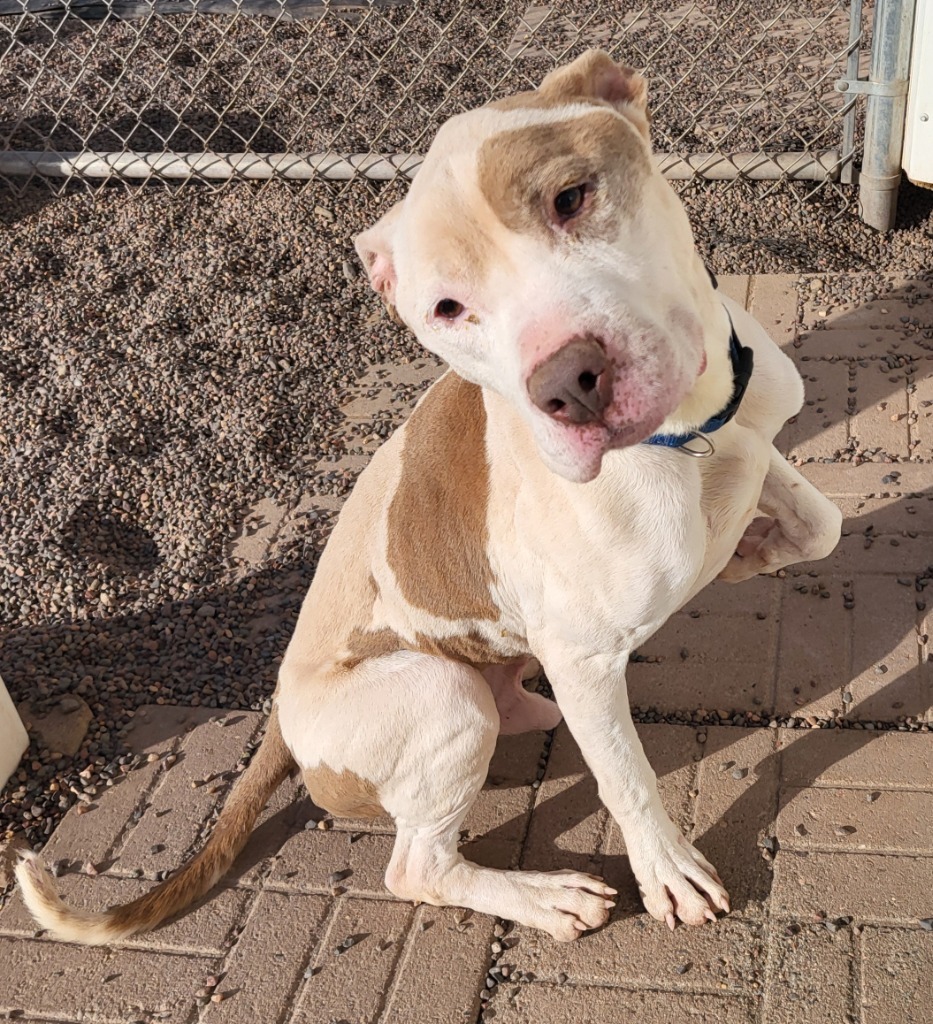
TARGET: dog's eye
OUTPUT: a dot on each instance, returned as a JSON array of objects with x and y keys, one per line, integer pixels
[
  {"x": 569, "y": 202},
  {"x": 448, "y": 309}
]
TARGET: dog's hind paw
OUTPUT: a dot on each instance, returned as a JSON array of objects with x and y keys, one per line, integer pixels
[{"x": 566, "y": 903}]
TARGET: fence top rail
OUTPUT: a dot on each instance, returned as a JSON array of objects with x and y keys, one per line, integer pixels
[{"x": 97, "y": 10}]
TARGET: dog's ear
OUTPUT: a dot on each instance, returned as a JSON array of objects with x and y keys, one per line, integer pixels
[
  {"x": 376, "y": 248},
  {"x": 595, "y": 76}
]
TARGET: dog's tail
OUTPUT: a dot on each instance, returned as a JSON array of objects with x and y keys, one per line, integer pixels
[{"x": 266, "y": 772}]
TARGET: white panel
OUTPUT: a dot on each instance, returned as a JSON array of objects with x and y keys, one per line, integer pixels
[{"x": 918, "y": 136}]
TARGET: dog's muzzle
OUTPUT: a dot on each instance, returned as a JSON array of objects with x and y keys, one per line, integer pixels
[{"x": 574, "y": 385}]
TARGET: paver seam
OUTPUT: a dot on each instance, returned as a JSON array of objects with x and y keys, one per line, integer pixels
[
  {"x": 888, "y": 787},
  {"x": 547, "y": 745},
  {"x": 180, "y": 952},
  {"x": 858, "y": 968},
  {"x": 143, "y": 802},
  {"x": 770, "y": 968},
  {"x": 749, "y": 297},
  {"x": 323, "y": 890},
  {"x": 775, "y": 614},
  {"x": 777, "y": 601},
  {"x": 241, "y": 924},
  {"x": 401, "y": 962},
  {"x": 297, "y": 995},
  {"x": 251, "y": 746},
  {"x": 293, "y": 1000},
  {"x": 785, "y": 638},
  {"x": 395, "y": 973},
  {"x": 719, "y": 993},
  {"x": 240, "y": 928}
]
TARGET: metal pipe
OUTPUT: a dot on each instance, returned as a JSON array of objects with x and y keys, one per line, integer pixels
[
  {"x": 850, "y": 106},
  {"x": 880, "y": 176},
  {"x": 378, "y": 166}
]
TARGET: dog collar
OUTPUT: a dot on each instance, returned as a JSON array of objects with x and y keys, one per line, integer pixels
[{"x": 742, "y": 359}]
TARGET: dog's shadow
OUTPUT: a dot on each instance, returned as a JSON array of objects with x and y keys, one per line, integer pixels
[{"x": 740, "y": 840}]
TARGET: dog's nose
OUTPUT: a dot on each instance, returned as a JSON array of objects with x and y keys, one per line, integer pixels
[{"x": 573, "y": 385}]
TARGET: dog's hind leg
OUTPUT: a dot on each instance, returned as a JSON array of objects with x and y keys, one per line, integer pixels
[
  {"x": 421, "y": 752},
  {"x": 429, "y": 808}
]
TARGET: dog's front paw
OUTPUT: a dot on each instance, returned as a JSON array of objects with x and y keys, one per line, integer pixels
[{"x": 676, "y": 881}]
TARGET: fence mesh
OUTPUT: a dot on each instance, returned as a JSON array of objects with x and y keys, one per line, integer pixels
[{"x": 208, "y": 90}]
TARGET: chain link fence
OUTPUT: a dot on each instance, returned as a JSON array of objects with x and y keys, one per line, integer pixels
[{"x": 95, "y": 92}]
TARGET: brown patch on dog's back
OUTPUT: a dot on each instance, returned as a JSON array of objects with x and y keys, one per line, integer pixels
[
  {"x": 521, "y": 171},
  {"x": 437, "y": 529},
  {"x": 364, "y": 644},
  {"x": 345, "y": 793},
  {"x": 470, "y": 648}
]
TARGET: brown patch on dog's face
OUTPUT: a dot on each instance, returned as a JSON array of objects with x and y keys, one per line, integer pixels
[
  {"x": 345, "y": 793},
  {"x": 521, "y": 172},
  {"x": 437, "y": 529}
]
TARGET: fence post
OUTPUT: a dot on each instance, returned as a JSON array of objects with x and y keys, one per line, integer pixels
[{"x": 887, "y": 107}]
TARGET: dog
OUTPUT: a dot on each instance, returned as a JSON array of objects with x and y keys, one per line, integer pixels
[{"x": 600, "y": 450}]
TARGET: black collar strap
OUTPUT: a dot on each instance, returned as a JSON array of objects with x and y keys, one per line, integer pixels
[{"x": 742, "y": 359}]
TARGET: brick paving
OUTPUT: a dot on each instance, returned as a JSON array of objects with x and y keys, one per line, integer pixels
[{"x": 823, "y": 835}]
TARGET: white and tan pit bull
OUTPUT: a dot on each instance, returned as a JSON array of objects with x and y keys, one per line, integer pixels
[{"x": 520, "y": 514}]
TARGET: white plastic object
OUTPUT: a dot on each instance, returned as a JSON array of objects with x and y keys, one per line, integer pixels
[{"x": 13, "y": 738}]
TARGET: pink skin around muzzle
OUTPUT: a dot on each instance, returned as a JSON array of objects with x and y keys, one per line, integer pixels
[{"x": 648, "y": 382}]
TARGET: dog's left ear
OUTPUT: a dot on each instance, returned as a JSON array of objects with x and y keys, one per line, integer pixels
[
  {"x": 376, "y": 248},
  {"x": 595, "y": 76}
]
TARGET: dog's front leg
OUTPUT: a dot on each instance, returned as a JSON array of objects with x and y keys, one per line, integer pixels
[
  {"x": 675, "y": 880},
  {"x": 800, "y": 525}
]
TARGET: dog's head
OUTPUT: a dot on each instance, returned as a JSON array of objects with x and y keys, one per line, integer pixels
[{"x": 541, "y": 254}]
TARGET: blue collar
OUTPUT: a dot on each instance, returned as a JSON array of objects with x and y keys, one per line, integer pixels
[{"x": 742, "y": 359}]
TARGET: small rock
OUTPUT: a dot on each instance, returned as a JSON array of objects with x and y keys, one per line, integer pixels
[{"x": 58, "y": 724}]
